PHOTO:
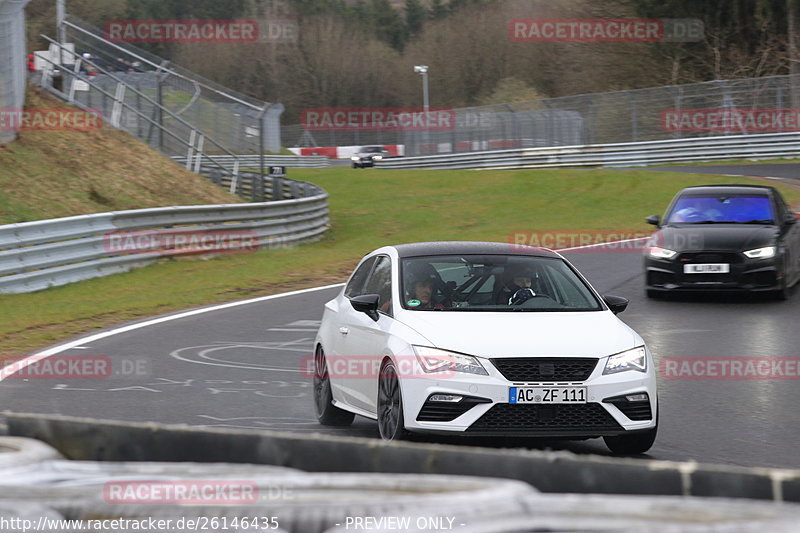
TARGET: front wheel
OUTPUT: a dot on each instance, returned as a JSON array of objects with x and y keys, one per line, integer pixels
[
  {"x": 633, "y": 444},
  {"x": 782, "y": 294},
  {"x": 327, "y": 413},
  {"x": 655, "y": 295},
  {"x": 390, "y": 404}
]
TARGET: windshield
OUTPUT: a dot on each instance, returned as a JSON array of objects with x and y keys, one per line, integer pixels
[
  {"x": 722, "y": 209},
  {"x": 372, "y": 149},
  {"x": 493, "y": 283}
]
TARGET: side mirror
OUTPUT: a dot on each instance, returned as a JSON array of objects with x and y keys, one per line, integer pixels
[
  {"x": 617, "y": 304},
  {"x": 655, "y": 220},
  {"x": 791, "y": 218},
  {"x": 366, "y": 303}
]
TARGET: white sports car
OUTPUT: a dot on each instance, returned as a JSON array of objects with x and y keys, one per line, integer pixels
[{"x": 479, "y": 338}]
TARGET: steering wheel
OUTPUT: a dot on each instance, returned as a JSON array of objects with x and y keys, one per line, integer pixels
[{"x": 521, "y": 296}]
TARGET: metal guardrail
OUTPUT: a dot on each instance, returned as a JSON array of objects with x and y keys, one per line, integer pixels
[
  {"x": 252, "y": 185},
  {"x": 48, "y": 253},
  {"x": 777, "y": 145},
  {"x": 254, "y": 160}
]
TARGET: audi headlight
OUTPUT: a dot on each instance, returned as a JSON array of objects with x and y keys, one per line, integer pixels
[
  {"x": 377, "y": 157},
  {"x": 354, "y": 158},
  {"x": 635, "y": 359},
  {"x": 761, "y": 253},
  {"x": 435, "y": 360},
  {"x": 661, "y": 253}
]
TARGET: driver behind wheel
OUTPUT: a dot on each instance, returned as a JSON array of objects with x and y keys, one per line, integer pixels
[{"x": 517, "y": 289}]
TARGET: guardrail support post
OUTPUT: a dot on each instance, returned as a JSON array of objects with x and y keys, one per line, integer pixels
[
  {"x": 190, "y": 150},
  {"x": 197, "y": 159},
  {"x": 116, "y": 109},
  {"x": 257, "y": 184}
]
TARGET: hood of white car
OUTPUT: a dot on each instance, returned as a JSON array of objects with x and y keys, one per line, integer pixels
[{"x": 523, "y": 334}]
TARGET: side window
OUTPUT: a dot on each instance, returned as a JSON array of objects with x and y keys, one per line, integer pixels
[
  {"x": 568, "y": 293},
  {"x": 783, "y": 209},
  {"x": 380, "y": 283},
  {"x": 356, "y": 284}
]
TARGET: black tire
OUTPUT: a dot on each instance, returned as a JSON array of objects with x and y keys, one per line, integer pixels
[
  {"x": 655, "y": 295},
  {"x": 391, "y": 424},
  {"x": 783, "y": 293},
  {"x": 634, "y": 443},
  {"x": 327, "y": 413},
  {"x": 356, "y": 165}
]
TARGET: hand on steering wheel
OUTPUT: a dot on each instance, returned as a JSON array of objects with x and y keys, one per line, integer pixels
[{"x": 521, "y": 296}]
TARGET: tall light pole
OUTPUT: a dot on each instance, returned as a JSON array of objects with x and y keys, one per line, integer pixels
[
  {"x": 61, "y": 14},
  {"x": 423, "y": 70}
]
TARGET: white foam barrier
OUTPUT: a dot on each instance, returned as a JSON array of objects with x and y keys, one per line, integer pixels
[
  {"x": 19, "y": 452},
  {"x": 547, "y": 471}
]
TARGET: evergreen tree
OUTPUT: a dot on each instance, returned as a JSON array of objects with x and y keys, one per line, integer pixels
[
  {"x": 416, "y": 14},
  {"x": 438, "y": 10},
  {"x": 388, "y": 25}
]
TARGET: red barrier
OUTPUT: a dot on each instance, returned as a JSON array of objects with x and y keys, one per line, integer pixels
[
  {"x": 329, "y": 151},
  {"x": 342, "y": 152}
]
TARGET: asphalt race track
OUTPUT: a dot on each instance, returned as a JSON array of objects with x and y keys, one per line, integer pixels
[{"x": 242, "y": 366}]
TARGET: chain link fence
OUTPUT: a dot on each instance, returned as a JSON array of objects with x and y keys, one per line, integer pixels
[
  {"x": 722, "y": 107},
  {"x": 12, "y": 67},
  {"x": 239, "y": 123}
]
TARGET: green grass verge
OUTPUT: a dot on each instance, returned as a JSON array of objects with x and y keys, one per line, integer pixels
[{"x": 369, "y": 208}]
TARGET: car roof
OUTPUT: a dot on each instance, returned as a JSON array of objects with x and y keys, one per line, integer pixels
[
  {"x": 469, "y": 247},
  {"x": 728, "y": 189}
]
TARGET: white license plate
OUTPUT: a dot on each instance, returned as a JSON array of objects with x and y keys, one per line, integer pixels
[
  {"x": 547, "y": 395},
  {"x": 708, "y": 268}
]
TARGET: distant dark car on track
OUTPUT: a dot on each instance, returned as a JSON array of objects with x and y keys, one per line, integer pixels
[
  {"x": 367, "y": 155},
  {"x": 723, "y": 238}
]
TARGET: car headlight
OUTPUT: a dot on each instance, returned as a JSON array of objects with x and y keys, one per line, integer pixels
[
  {"x": 761, "y": 253},
  {"x": 661, "y": 253},
  {"x": 435, "y": 360},
  {"x": 635, "y": 359},
  {"x": 377, "y": 157},
  {"x": 354, "y": 158}
]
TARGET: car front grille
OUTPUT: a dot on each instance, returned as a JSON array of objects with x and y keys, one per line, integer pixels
[
  {"x": 709, "y": 257},
  {"x": 588, "y": 417},
  {"x": 545, "y": 368}
]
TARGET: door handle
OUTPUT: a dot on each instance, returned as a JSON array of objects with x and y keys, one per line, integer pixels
[{"x": 344, "y": 331}]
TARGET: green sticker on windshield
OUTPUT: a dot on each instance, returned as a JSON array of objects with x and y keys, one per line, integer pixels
[{"x": 413, "y": 303}]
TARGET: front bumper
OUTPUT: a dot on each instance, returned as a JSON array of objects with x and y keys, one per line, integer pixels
[
  {"x": 366, "y": 162},
  {"x": 755, "y": 275},
  {"x": 491, "y": 414}
]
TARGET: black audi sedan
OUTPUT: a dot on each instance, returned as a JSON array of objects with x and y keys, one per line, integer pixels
[{"x": 723, "y": 238}]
